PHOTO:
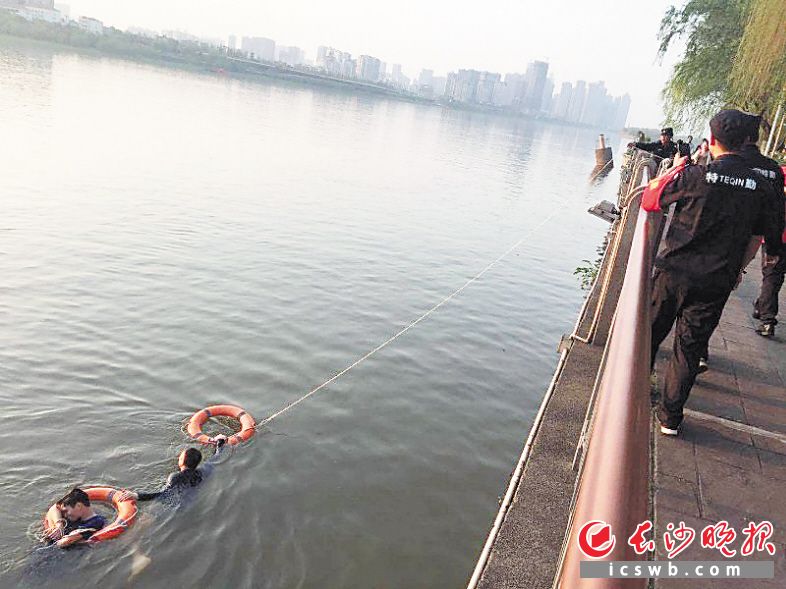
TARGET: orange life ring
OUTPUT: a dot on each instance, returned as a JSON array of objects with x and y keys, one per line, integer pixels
[
  {"x": 126, "y": 512},
  {"x": 247, "y": 423}
]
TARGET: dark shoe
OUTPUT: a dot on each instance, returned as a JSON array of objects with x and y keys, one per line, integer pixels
[
  {"x": 703, "y": 366},
  {"x": 766, "y": 330},
  {"x": 756, "y": 314}
]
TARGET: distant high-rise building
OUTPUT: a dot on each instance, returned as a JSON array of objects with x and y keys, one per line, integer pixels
[
  {"x": 348, "y": 66},
  {"x": 577, "y": 102},
  {"x": 232, "y": 42},
  {"x": 484, "y": 93},
  {"x": 290, "y": 55},
  {"x": 594, "y": 105},
  {"x": 368, "y": 68},
  {"x": 439, "y": 83},
  {"x": 334, "y": 62},
  {"x": 151, "y": 34},
  {"x": 425, "y": 83},
  {"x": 260, "y": 48},
  {"x": 451, "y": 81},
  {"x": 548, "y": 96},
  {"x": 44, "y": 10},
  {"x": 47, "y": 4},
  {"x": 180, "y": 35},
  {"x": 621, "y": 113},
  {"x": 562, "y": 102},
  {"x": 322, "y": 52},
  {"x": 517, "y": 85},
  {"x": 466, "y": 86},
  {"x": 504, "y": 94},
  {"x": 91, "y": 25},
  {"x": 395, "y": 75},
  {"x": 426, "y": 78},
  {"x": 535, "y": 81}
]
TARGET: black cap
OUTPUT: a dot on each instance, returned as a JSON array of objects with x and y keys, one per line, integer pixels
[
  {"x": 731, "y": 127},
  {"x": 754, "y": 122},
  {"x": 667, "y": 131}
]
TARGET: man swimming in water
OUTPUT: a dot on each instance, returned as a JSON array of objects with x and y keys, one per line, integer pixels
[
  {"x": 186, "y": 477},
  {"x": 72, "y": 520}
]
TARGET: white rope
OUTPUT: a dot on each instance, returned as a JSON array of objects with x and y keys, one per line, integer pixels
[{"x": 393, "y": 338}]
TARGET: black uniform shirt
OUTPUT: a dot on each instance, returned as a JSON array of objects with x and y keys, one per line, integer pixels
[
  {"x": 179, "y": 481},
  {"x": 719, "y": 207},
  {"x": 770, "y": 169},
  {"x": 669, "y": 149}
]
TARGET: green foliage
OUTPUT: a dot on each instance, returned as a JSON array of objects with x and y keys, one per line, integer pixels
[
  {"x": 758, "y": 77},
  {"x": 699, "y": 85},
  {"x": 588, "y": 271}
]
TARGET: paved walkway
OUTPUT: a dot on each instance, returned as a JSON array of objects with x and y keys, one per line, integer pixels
[{"x": 714, "y": 471}]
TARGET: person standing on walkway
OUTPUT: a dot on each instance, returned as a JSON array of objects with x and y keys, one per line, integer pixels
[
  {"x": 701, "y": 157},
  {"x": 721, "y": 210},
  {"x": 665, "y": 148},
  {"x": 773, "y": 268}
]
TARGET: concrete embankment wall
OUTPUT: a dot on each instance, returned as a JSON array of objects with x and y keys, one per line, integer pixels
[{"x": 526, "y": 549}]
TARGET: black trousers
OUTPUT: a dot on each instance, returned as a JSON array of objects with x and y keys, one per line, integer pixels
[
  {"x": 772, "y": 272},
  {"x": 697, "y": 310}
]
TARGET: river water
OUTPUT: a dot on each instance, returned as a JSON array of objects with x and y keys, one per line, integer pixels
[{"x": 171, "y": 240}]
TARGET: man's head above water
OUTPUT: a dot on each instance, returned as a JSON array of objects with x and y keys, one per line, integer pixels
[
  {"x": 75, "y": 505},
  {"x": 189, "y": 458}
]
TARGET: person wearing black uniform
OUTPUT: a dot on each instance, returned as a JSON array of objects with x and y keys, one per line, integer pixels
[
  {"x": 719, "y": 210},
  {"x": 772, "y": 267},
  {"x": 665, "y": 148},
  {"x": 186, "y": 477}
]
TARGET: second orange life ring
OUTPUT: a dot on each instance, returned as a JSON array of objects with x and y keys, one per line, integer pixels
[{"x": 247, "y": 423}]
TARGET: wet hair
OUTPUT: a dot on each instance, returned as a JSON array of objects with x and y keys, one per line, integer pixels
[
  {"x": 74, "y": 496},
  {"x": 192, "y": 458}
]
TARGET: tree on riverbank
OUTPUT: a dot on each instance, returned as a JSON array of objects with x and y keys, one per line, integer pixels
[
  {"x": 735, "y": 55},
  {"x": 699, "y": 84},
  {"x": 758, "y": 77}
]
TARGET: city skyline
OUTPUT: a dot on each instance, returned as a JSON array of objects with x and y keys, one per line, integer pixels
[
  {"x": 618, "y": 46},
  {"x": 531, "y": 93}
]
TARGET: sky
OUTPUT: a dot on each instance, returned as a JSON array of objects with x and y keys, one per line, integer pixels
[{"x": 610, "y": 40}]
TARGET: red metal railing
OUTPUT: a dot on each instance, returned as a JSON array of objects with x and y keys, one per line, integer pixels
[{"x": 614, "y": 480}]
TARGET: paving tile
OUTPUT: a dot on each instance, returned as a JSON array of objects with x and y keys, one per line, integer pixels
[
  {"x": 743, "y": 342},
  {"x": 773, "y": 464},
  {"x": 769, "y": 445},
  {"x": 764, "y": 392},
  {"x": 766, "y": 414},
  {"x": 675, "y": 457},
  {"x": 750, "y": 373},
  {"x": 677, "y": 494},
  {"x": 719, "y": 444},
  {"x": 717, "y": 400},
  {"x": 738, "y": 496}
]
